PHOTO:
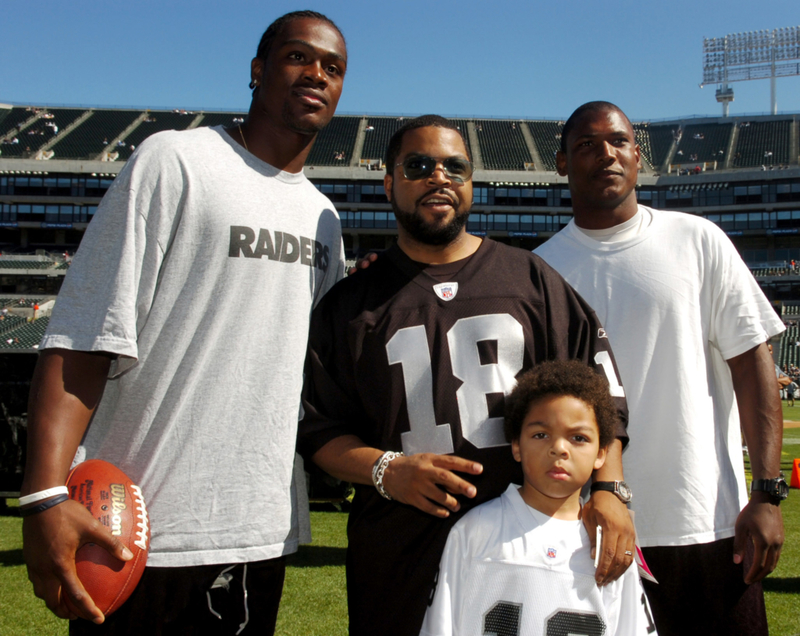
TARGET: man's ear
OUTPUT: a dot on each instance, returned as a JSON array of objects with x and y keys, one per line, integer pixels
[
  {"x": 387, "y": 186},
  {"x": 561, "y": 163},
  {"x": 515, "y": 450},
  {"x": 256, "y": 69},
  {"x": 601, "y": 458}
]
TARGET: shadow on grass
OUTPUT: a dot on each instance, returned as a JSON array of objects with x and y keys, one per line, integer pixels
[
  {"x": 311, "y": 556},
  {"x": 11, "y": 557},
  {"x": 782, "y": 586}
]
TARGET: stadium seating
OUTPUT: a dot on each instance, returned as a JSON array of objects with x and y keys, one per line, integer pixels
[
  {"x": 379, "y": 131},
  {"x": 762, "y": 272},
  {"x": 463, "y": 127},
  {"x": 27, "y": 336},
  {"x": 660, "y": 141},
  {"x": 789, "y": 350},
  {"x": 763, "y": 143},
  {"x": 642, "y": 132},
  {"x": 547, "y": 137},
  {"x": 13, "y": 117},
  {"x": 42, "y": 131},
  {"x": 334, "y": 144},
  {"x": 93, "y": 135},
  {"x": 153, "y": 123},
  {"x": 9, "y": 323},
  {"x": 790, "y": 308},
  {"x": 19, "y": 264},
  {"x": 502, "y": 144},
  {"x": 376, "y": 138},
  {"x": 214, "y": 119},
  {"x": 703, "y": 143}
]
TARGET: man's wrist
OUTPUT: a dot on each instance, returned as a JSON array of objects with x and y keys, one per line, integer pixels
[
  {"x": 617, "y": 487},
  {"x": 378, "y": 470},
  {"x": 772, "y": 490}
]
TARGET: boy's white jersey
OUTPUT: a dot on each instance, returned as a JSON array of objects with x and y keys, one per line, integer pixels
[{"x": 510, "y": 570}]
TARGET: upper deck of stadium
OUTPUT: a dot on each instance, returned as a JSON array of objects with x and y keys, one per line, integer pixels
[
  {"x": 740, "y": 172},
  {"x": 352, "y": 142}
]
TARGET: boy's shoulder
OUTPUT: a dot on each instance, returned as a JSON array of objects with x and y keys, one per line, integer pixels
[{"x": 487, "y": 514}]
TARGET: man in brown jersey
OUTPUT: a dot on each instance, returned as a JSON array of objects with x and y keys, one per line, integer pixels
[{"x": 408, "y": 364}]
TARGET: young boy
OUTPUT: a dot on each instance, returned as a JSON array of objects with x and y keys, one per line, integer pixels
[{"x": 521, "y": 563}]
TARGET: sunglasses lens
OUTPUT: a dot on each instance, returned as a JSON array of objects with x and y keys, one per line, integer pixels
[
  {"x": 423, "y": 167},
  {"x": 457, "y": 168},
  {"x": 418, "y": 167}
]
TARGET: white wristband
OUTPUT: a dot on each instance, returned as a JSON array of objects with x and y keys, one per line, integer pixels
[{"x": 43, "y": 494}]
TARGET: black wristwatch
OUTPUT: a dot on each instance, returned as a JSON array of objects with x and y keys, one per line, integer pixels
[
  {"x": 775, "y": 488},
  {"x": 619, "y": 488}
]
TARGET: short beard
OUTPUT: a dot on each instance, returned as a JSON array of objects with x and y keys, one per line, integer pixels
[
  {"x": 296, "y": 126},
  {"x": 424, "y": 232}
]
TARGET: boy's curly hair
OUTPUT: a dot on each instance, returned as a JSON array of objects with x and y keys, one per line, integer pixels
[{"x": 556, "y": 378}]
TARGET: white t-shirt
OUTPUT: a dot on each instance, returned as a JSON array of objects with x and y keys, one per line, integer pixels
[
  {"x": 200, "y": 270},
  {"x": 676, "y": 301},
  {"x": 510, "y": 569}
]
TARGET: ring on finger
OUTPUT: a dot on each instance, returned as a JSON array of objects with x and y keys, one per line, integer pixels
[{"x": 628, "y": 553}]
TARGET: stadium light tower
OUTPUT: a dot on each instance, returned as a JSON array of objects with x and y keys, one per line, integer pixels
[{"x": 739, "y": 57}]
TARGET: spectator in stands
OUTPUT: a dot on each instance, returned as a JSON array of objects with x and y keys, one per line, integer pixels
[
  {"x": 688, "y": 341},
  {"x": 154, "y": 295}
]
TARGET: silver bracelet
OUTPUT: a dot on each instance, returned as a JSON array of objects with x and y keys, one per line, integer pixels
[{"x": 379, "y": 468}]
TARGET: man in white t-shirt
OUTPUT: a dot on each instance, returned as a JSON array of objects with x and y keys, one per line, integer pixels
[
  {"x": 689, "y": 327},
  {"x": 175, "y": 352}
]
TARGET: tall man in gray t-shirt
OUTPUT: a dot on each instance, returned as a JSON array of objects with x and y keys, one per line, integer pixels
[{"x": 176, "y": 350}]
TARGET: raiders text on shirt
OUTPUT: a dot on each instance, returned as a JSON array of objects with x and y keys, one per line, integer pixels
[{"x": 284, "y": 247}]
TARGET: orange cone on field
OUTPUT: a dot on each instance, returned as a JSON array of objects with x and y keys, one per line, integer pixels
[{"x": 795, "y": 481}]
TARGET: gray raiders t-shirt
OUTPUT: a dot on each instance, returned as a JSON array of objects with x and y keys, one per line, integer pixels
[{"x": 200, "y": 270}]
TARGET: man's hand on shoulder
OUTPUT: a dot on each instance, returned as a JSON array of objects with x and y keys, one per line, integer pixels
[
  {"x": 604, "y": 509},
  {"x": 429, "y": 482},
  {"x": 760, "y": 521},
  {"x": 50, "y": 541},
  {"x": 363, "y": 263}
]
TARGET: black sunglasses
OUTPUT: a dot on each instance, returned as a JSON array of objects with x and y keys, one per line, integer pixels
[{"x": 421, "y": 167}]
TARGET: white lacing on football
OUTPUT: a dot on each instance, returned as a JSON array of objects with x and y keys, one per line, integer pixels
[{"x": 141, "y": 514}]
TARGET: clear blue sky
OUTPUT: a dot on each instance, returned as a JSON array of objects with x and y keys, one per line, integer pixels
[{"x": 489, "y": 59}]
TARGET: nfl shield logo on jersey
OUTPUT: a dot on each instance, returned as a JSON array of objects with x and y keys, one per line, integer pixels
[
  {"x": 551, "y": 553},
  {"x": 446, "y": 291}
]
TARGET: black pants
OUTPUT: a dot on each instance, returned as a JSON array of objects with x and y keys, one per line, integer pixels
[
  {"x": 701, "y": 591},
  {"x": 200, "y": 600}
]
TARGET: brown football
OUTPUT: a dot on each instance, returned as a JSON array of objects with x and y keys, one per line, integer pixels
[{"x": 116, "y": 502}]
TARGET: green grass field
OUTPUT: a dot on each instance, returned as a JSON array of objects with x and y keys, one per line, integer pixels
[{"x": 314, "y": 600}]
